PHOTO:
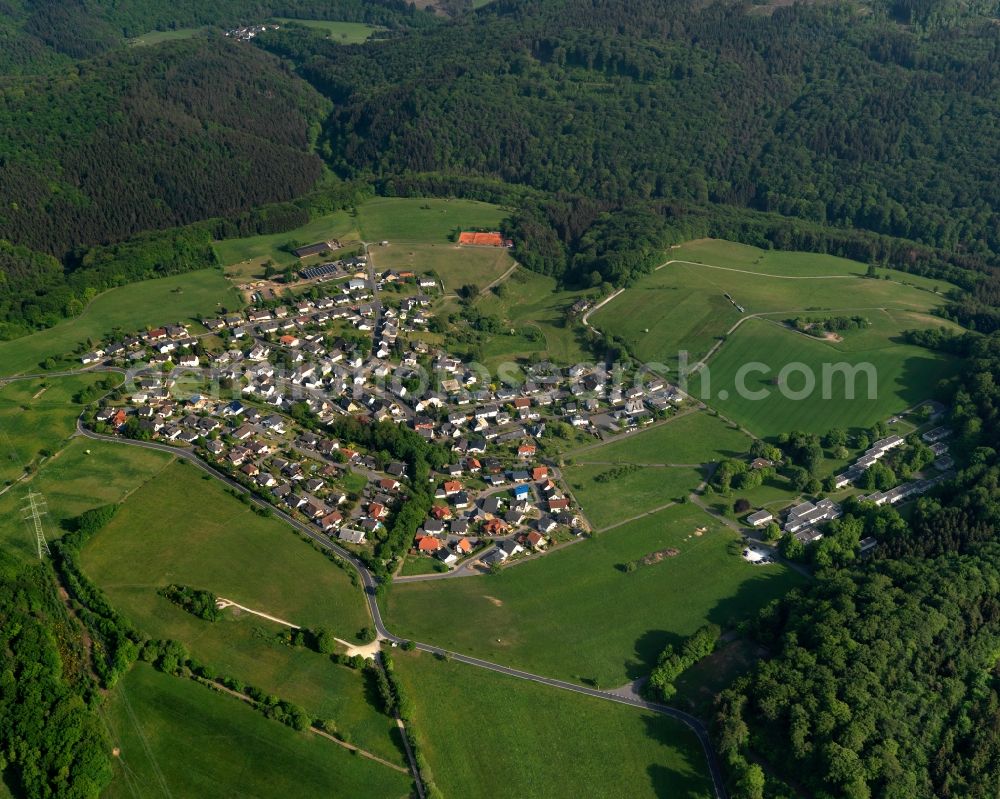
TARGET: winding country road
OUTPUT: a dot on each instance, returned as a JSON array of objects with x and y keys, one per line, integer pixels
[{"x": 368, "y": 581}]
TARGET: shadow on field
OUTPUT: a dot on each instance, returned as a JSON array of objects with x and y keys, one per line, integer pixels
[
  {"x": 753, "y": 593},
  {"x": 647, "y": 651},
  {"x": 691, "y": 778}
]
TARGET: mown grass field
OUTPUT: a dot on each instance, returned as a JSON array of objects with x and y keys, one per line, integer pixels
[
  {"x": 178, "y": 738},
  {"x": 82, "y": 476},
  {"x": 183, "y": 528},
  {"x": 37, "y": 416},
  {"x": 905, "y": 374},
  {"x": 666, "y": 463},
  {"x": 544, "y": 742},
  {"x": 417, "y": 219},
  {"x": 689, "y": 438},
  {"x": 455, "y": 266},
  {"x": 575, "y": 614},
  {"x": 134, "y": 307},
  {"x": 640, "y": 490},
  {"x": 157, "y": 37},
  {"x": 527, "y": 300},
  {"x": 790, "y": 262},
  {"x": 340, "y": 32},
  {"x": 246, "y": 646},
  {"x": 682, "y": 306},
  {"x": 337, "y": 225}
]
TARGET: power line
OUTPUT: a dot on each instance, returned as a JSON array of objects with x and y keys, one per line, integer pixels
[{"x": 33, "y": 512}]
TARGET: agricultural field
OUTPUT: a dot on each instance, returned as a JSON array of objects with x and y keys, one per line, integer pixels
[
  {"x": 454, "y": 266},
  {"x": 82, "y": 476},
  {"x": 544, "y": 742},
  {"x": 158, "y": 37},
  {"x": 340, "y": 32},
  {"x": 688, "y": 438},
  {"x": 537, "y": 311},
  {"x": 136, "y": 306},
  {"x": 791, "y": 263},
  {"x": 579, "y": 615},
  {"x": 182, "y": 527},
  {"x": 905, "y": 374},
  {"x": 418, "y": 232},
  {"x": 248, "y": 647},
  {"x": 178, "y": 738},
  {"x": 249, "y": 254},
  {"x": 610, "y": 494},
  {"x": 36, "y": 417},
  {"x": 682, "y": 306},
  {"x": 406, "y": 219}
]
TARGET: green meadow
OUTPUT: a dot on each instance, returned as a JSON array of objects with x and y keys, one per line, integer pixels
[
  {"x": 607, "y": 502},
  {"x": 36, "y": 419},
  {"x": 277, "y": 246},
  {"x": 158, "y": 37},
  {"x": 82, "y": 476},
  {"x": 544, "y": 742},
  {"x": 529, "y": 301},
  {"x": 178, "y": 738},
  {"x": 453, "y": 265},
  {"x": 688, "y": 438},
  {"x": 135, "y": 307},
  {"x": 900, "y": 376},
  {"x": 578, "y": 615},
  {"x": 416, "y": 219},
  {"x": 340, "y": 32},
  {"x": 182, "y": 527},
  {"x": 682, "y": 306},
  {"x": 248, "y": 647}
]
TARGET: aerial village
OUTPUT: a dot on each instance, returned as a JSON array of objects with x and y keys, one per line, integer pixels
[
  {"x": 347, "y": 350},
  {"x": 354, "y": 347}
]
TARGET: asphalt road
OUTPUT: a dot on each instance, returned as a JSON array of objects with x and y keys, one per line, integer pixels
[{"x": 369, "y": 583}]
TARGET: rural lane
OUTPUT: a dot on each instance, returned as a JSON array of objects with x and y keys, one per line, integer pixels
[{"x": 368, "y": 581}]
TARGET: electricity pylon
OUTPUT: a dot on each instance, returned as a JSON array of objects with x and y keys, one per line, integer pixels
[{"x": 33, "y": 512}]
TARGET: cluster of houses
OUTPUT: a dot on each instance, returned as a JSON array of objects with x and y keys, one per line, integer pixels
[
  {"x": 802, "y": 519},
  {"x": 274, "y": 356},
  {"x": 247, "y": 32},
  {"x": 519, "y": 511}
]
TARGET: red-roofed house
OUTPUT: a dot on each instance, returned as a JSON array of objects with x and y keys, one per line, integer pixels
[
  {"x": 494, "y": 527},
  {"x": 331, "y": 521}
]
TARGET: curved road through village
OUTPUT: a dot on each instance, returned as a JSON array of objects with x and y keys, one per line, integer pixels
[{"x": 370, "y": 585}]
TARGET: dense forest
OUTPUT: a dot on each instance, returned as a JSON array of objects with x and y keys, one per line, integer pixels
[
  {"x": 151, "y": 138},
  {"x": 54, "y": 743},
  {"x": 817, "y": 112},
  {"x": 39, "y": 35}
]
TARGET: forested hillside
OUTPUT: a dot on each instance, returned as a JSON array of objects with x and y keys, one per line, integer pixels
[
  {"x": 823, "y": 112},
  {"x": 54, "y": 743},
  {"x": 884, "y": 685},
  {"x": 38, "y": 35},
  {"x": 150, "y": 138}
]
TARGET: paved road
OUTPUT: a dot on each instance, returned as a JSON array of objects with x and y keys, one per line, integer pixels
[{"x": 370, "y": 586}]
